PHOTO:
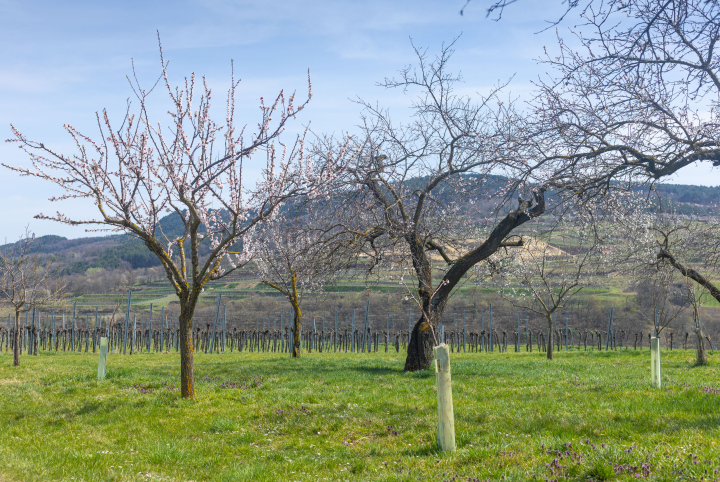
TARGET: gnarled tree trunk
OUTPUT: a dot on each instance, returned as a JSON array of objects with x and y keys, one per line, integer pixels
[
  {"x": 420, "y": 353},
  {"x": 420, "y": 348}
]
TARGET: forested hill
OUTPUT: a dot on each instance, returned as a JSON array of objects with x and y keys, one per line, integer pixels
[
  {"x": 121, "y": 250},
  {"x": 684, "y": 193}
]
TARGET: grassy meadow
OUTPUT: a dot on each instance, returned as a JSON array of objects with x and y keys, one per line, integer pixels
[{"x": 584, "y": 416}]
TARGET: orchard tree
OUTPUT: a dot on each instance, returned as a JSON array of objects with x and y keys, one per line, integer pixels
[
  {"x": 558, "y": 259},
  {"x": 638, "y": 101},
  {"x": 682, "y": 248},
  {"x": 194, "y": 167},
  {"x": 661, "y": 294},
  {"x": 436, "y": 190},
  {"x": 298, "y": 252},
  {"x": 26, "y": 282}
]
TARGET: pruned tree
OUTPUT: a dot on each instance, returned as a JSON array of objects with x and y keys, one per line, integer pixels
[
  {"x": 26, "y": 282},
  {"x": 638, "y": 99},
  {"x": 662, "y": 295},
  {"x": 680, "y": 251},
  {"x": 697, "y": 297},
  {"x": 195, "y": 168},
  {"x": 558, "y": 259},
  {"x": 300, "y": 252},
  {"x": 436, "y": 190}
]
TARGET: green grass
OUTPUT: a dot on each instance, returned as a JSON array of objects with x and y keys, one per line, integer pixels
[{"x": 358, "y": 417}]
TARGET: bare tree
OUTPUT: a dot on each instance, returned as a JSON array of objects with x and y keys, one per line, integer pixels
[
  {"x": 434, "y": 188},
  {"x": 136, "y": 174},
  {"x": 26, "y": 282},
  {"x": 544, "y": 274},
  {"x": 639, "y": 98},
  {"x": 662, "y": 296},
  {"x": 696, "y": 299}
]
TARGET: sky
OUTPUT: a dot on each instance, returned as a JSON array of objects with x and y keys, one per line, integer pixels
[{"x": 64, "y": 61}]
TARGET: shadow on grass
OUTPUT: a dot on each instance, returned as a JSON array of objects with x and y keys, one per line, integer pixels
[
  {"x": 430, "y": 449},
  {"x": 376, "y": 370}
]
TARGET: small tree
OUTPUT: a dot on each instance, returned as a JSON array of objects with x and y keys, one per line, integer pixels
[
  {"x": 675, "y": 246},
  {"x": 140, "y": 172},
  {"x": 26, "y": 282},
  {"x": 298, "y": 252},
  {"x": 662, "y": 296},
  {"x": 555, "y": 263}
]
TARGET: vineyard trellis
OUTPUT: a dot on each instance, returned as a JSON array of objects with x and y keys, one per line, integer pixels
[{"x": 137, "y": 332}]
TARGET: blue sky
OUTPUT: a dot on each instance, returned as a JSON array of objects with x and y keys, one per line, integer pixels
[{"x": 63, "y": 61}]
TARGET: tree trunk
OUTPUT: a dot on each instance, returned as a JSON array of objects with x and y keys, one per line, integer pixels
[
  {"x": 701, "y": 356},
  {"x": 550, "y": 338},
  {"x": 297, "y": 322},
  {"x": 420, "y": 349},
  {"x": 16, "y": 344},
  {"x": 187, "y": 376}
]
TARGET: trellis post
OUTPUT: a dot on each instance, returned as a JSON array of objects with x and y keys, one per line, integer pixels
[
  {"x": 490, "y": 326},
  {"x": 149, "y": 338},
  {"x": 127, "y": 321},
  {"x": 217, "y": 313}
]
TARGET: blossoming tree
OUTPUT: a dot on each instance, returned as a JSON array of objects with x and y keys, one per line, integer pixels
[
  {"x": 299, "y": 251},
  {"x": 194, "y": 167},
  {"x": 668, "y": 247}
]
